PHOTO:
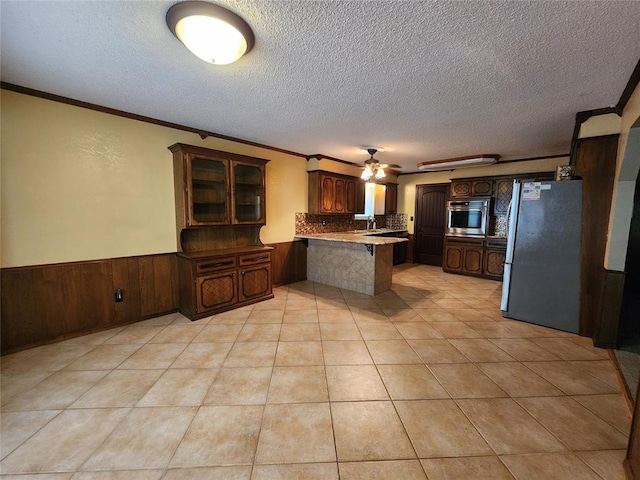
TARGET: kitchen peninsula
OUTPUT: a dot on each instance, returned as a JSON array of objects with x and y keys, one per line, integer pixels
[{"x": 359, "y": 261}]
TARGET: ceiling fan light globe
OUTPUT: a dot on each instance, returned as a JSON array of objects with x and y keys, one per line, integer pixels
[
  {"x": 380, "y": 173},
  {"x": 367, "y": 173}
]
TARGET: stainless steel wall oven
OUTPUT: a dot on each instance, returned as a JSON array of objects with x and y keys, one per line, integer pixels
[{"x": 468, "y": 218}]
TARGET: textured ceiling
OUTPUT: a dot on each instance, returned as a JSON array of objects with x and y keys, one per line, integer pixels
[{"x": 424, "y": 80}]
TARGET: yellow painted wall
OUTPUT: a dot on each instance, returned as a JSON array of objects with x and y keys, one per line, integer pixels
[
  {"x": 627, "y": 165},
  {"x": 407, "y": 183},
  {"x": 82, "y": 185},
  {"x": 609, "y": 124}
]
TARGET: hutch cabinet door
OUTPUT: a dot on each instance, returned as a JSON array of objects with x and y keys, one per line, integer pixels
[
  {"x": 248, "y": 193},
  {"x": 207, "y": 187},
  {"x": 216, "y": 291},
  {"x": 255, "y": 282}
]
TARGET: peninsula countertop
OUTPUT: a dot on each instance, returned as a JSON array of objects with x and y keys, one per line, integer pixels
[{"x": 372, "y": 237}]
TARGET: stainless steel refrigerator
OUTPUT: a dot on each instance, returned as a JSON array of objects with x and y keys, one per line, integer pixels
[{"x": 541, "y": 282}]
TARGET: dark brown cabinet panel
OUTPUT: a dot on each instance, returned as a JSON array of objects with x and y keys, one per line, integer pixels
[
  {"x": 461, "y": 188},
  {"x": 255, "y": 282},
  {"x": 351, "y": 192},
  {"x": 360, "y": 194},
  {"x": 473, "y": 260},
  {"x": 594, "y": 160},
  {"x": 391, "y": 198},
  {"x": 216, "y": 291},
  {"x": 463, "y": 255},
  {"x": 503, "y": 189},
  {"x": 334, "y": 193},
  {"x": 215, "y": 188},
  {"x": 475, "y": 256},
  {"x": 494, "y": 263},
  {"x": 483, "y": 187},
  {"x": 327, "y": 193},
  {"x": 340, "y": 192},
  {"x": 215, "y": 281},
  {"x": 453, "y": 258},
  {"x": 472, "y": 187}
]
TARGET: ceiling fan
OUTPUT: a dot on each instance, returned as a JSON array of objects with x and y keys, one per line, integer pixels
[{"x": 373, "y": 168}]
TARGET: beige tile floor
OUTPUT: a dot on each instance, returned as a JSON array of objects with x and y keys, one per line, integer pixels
[{"x": 424, "y": 381}]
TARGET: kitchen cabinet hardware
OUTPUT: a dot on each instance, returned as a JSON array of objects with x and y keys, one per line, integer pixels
[
  {"x": 253, "y": 259},
  {"x": 218, "y": 264}
]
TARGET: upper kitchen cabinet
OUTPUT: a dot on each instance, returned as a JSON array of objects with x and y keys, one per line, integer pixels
[
  {"x": 391, "y": 198},
  {"x": 217, "y": 188},
  {"x": 470, "y": 187},
  {"x": 503, "y": 189},
  {"x": 334, "y": 193},
  {"x": 503, "y": 186}
]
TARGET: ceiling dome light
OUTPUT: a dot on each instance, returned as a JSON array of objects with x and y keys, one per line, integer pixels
[
  {"x": 459, "y": 162},
  {"x": 211, "y": 32}
]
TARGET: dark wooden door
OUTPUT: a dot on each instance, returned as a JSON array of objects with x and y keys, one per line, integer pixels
[{"x": 431, "y": 202}]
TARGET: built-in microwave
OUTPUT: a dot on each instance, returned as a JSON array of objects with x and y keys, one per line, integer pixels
[{"x": 468, "y": 218}]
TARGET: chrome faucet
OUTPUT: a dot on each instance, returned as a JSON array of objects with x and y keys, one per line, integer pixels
[{"x": 371, "y": 221}]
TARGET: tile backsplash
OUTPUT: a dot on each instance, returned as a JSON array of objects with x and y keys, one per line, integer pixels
[
  {"x": 499, "y": 227},
  {"x": 312, "y": 223}
]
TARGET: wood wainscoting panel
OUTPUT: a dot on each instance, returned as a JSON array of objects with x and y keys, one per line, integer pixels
[
  {"x": 125, "y": 276},
  {"x": 46, "y": 303},
  {"x": 158, "y": 287},
  {"x": 89, "y": 303},
  {"x": 611, "y": 307},
  {"x": 288, "y": 262},
  {"x": 20, "y": 317},
  {"x": 410, "y": 248},
  {"x": 594, "y": 160}
]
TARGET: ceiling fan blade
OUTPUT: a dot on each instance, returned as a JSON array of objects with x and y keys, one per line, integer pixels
[{"x": 390, "y": 165}]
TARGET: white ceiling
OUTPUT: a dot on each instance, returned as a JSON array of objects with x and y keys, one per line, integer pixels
[{"x": 424, "y": 79}]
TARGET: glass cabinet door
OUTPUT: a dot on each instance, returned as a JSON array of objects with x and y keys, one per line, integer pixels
[
  {"x": 209, "y": 186},
  {"x": 248, "y": 182}
]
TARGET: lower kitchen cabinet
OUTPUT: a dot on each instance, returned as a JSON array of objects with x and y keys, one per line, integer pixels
[
  {"x": 474, "y": 256},
  {"x": 494, "y": 256},
  {"x": 216, "y": 281},
  {"x": 463, "y": 255}
]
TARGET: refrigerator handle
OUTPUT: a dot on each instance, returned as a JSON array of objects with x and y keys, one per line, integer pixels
[
  {"x": 508, "y": 216},
  {"x": 512, "y": 218}
]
